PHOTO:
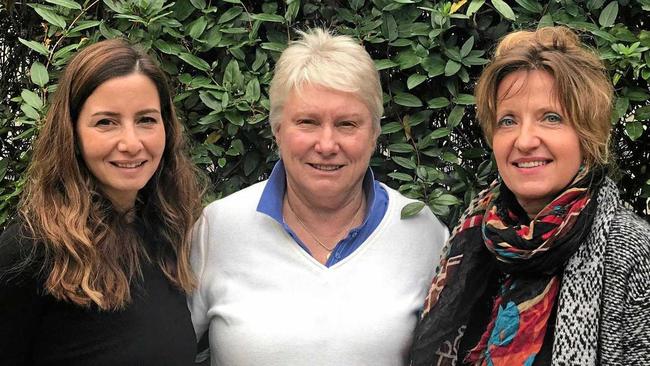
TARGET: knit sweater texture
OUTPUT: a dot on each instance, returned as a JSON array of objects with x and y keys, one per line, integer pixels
[
  {"x": 267, "y": 302},
  {"x": 604, "y": 303}
]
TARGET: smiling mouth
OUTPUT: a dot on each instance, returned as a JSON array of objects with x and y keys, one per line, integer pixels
[
  {"x": 531, "y": 164},
  {"x": 129, "y": 165},
  {"x": 326, "y": 167}
]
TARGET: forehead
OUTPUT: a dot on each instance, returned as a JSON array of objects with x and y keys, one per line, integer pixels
[
  {"x": 525, "y": 81},
  {"x": 316, "y": 99}
]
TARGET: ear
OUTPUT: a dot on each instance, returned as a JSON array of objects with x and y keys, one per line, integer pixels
[{"x": 276, "y": 134}]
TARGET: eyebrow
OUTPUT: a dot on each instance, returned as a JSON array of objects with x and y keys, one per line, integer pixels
[
  {"x": 115, "y": 114},
  {"x": 342, "y": 116}
]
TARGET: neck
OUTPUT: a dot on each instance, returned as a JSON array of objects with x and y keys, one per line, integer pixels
[{"x": 336, "y": 211}]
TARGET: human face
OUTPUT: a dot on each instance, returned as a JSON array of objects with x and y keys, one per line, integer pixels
[
  {"x": 121, "y": 136},
  {"x": 326, "y": 138},
  {"x": 536, "y": 148}
]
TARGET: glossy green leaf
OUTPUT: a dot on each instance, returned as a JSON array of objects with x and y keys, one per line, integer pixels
[
  {"x": 642, "y": 113},
  {"x": 66, "y": 4},
  {"x": 467, "y": 47},
  {"x": 4, "y": 163},
  {"x": 36, "y": 46},
  {"x": 439, "y": 102},
  {"x": 530, "y": 5},
  {"x": 195, "y": 61},
  {"x": 401, "y": 148},
  {"x": 608, "y": 15},
  {"x": 415, "y": 80},
  {"x": 83, "y": 25},
  {"x": 407, "y": 100},
  {"x": 385, "y": 64},
  {"x": 197, "y": 27},
  {"x": 39, "y": 74},
  {"x": 452, "y": 67},
  {"x": 634, "y": 130},
  {"x": 268, "y": 18},
  {"x": 455, "y": 116},
  {"x": 199, "y": 4},
  {"x": 411, "y": 209},
  {"x": 465, "y": 99},
  {"x": 391, "y": 127},
  {"x": 401, "y": 176},
  {"x": 51, "y": 17},
  {"x": 273, "y": 46},
  {"x": 546, "y": 21},
  {"x": 30, "y": 111},
  {"x": 440, "y": 133},
  {"x": 474, "y": 6},
  {"x": 404, "y": 162},
  {"x": 446, "y": 199},
  {"x": 230, "y": 14},
  {"x": 252, "y": 90},
  {"x": 32, "y": 99},
  {"x": 504, "y": 9}
]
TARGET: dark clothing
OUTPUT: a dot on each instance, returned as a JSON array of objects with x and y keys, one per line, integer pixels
[{"x": 36, "y": 329}]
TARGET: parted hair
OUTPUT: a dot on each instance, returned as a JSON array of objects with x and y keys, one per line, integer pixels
[
  {"x": 92, "y": 252},
  {"x": 581, "y": 84},
  {"x": 332, "y": 61}
]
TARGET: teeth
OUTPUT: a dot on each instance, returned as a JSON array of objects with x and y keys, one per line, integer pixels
[
  {"x": 128, "y": 165},
  {"x": 531, "y": 164},
  {"x": 326, "y": 167}
]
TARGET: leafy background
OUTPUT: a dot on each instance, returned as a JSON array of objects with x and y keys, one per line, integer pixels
[{"x": 220, "y": 56}]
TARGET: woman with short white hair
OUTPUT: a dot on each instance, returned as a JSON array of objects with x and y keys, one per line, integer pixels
[{"x": 314, "y": 265}]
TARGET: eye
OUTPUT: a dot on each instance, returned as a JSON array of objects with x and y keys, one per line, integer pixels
[
  {"x": 347, "y": 124},
  {"x": 506, "y": 121},
  {"x": 148, "y": 120},
  {"x": 306, "y": 121},
  {"x": 104, "y": 122},
  {"x": 553, "y": 117}
]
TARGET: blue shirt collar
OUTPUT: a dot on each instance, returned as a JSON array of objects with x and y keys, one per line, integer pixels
[{"x": 271, "y": 200}]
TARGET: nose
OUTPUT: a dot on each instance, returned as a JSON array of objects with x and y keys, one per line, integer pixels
[
  {"x": 129, "y": 141},
  {"x": 327, "y": 143},
  {"x": 528, "y": 138}
]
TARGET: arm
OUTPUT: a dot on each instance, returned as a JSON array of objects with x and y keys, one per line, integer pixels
[
  {"x": 198, "y": 258},
  {"x": 20, "y": 302},
  {"x": 636, "y": 320}
]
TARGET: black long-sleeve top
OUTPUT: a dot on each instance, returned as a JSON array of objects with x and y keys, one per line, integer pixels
[{"x": 36, "y": 329}]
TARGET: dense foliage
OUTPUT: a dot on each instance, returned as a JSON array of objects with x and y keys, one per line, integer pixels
[{"x": 220, "y": 56}]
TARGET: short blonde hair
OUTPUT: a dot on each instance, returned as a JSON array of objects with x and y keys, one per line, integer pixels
[
  {"x": 581, "y": 84},
  {"x": 334, "y": 62}
]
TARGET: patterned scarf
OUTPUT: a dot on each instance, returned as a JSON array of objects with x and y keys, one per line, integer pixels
[{"x": 497, "y": 255}]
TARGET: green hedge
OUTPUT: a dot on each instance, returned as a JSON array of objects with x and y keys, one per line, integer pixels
[{"x": 220, "y": 56}]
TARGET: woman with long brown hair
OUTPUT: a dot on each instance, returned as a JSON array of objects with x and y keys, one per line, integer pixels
[{"x": 96, "y": 268}]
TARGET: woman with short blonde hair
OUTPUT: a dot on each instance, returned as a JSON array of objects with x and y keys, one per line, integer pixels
[{"x": 314, "y": 265}]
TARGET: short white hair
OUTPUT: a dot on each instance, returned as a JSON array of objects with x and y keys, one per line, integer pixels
[{"x": 320, "y": 58}]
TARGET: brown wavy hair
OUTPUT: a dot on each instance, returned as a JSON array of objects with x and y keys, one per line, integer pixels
[
  {"x": 581, "y": 84},
  {"x": 91, "y": 251}
]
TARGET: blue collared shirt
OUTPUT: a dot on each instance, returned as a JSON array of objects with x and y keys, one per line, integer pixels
[{"x": 377, "y": 203}]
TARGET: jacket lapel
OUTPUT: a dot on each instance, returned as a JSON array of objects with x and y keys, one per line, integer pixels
[{"x": 578, "y": 316}]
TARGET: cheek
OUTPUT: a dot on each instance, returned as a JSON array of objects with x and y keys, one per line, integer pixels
[{"x": 500, "y": 150}]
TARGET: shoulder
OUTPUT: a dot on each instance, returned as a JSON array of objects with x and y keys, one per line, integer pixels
[
  {"x": 628, "y": 247},
  {"x": 17, "y": 250},
  {"x": 245, "y": 199},
  {"x": 425, "y": 219},
  {"x": 629, "y": 235}
]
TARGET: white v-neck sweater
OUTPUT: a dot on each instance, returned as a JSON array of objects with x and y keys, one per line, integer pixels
[{"x": 267, "y": 302}]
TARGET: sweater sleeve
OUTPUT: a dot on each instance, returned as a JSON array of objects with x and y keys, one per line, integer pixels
[
  {"x": 636, "y": 319},
  {"x": 20, "y": 301},
  {"x": 199, "y": 257}
]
